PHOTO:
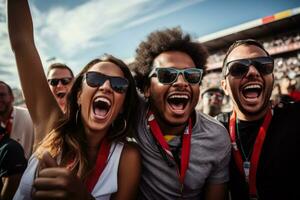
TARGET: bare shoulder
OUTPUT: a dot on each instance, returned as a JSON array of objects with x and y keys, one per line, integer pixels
[
  {"x": 130, "y": 160},
  {"x": 131, "y": 152},
  {"x": 129, "y": 172}
]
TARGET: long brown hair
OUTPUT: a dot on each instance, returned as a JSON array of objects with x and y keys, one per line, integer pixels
[{"x": 68, "y": 139}]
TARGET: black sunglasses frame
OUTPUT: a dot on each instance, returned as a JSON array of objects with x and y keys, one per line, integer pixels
[
  {"x": 156, "y": 71},
  {"x": 209, "y": 95},
  {"x": 264, "y": 65},
  {"x": 55, "y": 81},
  {"x": 97, "y": 79}
]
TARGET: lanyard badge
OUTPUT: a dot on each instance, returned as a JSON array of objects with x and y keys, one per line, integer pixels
[{"x": 246, "y": 166}]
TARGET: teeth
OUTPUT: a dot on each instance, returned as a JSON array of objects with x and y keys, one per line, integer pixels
[
  {"x": 256, "y": 86},
  {"x": 103, "y": 100},
  {"x": 183, "y": 96}
]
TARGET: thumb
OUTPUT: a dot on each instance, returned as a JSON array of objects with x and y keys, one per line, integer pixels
[{"x": 48, "y": 160}]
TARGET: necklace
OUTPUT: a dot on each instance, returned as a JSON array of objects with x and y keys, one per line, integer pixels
[
  {"x": 244, "y": 155},
  {"x": 244, "y": 167}
]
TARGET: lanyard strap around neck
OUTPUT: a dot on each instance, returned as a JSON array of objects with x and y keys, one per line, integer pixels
[
  {"x": 186, "y": 144},
  {"x": 251, "y": 178},
  {"x": 101, "y": 162}
]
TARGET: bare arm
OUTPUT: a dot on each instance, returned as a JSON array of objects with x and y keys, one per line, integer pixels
[
  {"x": 215, "y": 191},
  {"x": 41, "y": 104},
  {"x": 10, "y": 186},
  {"x": 129, "y": 173}
]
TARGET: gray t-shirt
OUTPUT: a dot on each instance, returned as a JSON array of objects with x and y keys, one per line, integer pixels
[{"x": 209, "y": 159}]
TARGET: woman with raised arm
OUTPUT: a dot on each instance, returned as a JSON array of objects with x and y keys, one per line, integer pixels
[{"x": 83, "y": 154}]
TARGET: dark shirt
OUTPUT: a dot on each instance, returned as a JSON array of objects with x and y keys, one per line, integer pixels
[
  {"x": 278, "y": 172},
  {"x": 12, "y": 159},
  {"x": 246, "y": 135}
]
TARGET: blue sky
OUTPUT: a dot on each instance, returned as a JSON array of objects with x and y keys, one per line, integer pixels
[{"x": 76, "y": 31}]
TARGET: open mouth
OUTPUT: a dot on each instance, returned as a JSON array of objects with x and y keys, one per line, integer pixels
[
  {"x": 61, "y": 94},
  {"x": 178, "y": 102},
  {"x": 252, "y": 91},
  {"x": 101, "y": 107}
]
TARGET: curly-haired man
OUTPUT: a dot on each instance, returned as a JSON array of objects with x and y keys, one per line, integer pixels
[{"x": 185, "y": 153}]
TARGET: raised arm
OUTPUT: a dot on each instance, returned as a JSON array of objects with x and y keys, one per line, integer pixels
[{"x": 42, "y": 106}]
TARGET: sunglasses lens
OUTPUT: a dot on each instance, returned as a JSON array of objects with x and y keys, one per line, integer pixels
[
  {"x": 94, "y": 79},
  {"x": 264, "y": 65},
  {"x": 237, "y": 69},
  {"x": 119, "y": 84},
  {"x": 193, "y": 76},
  {"x": 166, "y": 75},
  {"x": 53, "y": 82},
  {"x": 65, "y": 81}
]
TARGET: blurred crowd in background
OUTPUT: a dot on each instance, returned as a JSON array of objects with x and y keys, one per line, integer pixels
[{"x": 287, "y": 71}]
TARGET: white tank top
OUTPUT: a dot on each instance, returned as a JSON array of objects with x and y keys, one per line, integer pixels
[{"x": 106, "y": 185}]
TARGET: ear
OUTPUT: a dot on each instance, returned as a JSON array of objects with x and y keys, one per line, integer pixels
[{"x": 224, "y": 86}]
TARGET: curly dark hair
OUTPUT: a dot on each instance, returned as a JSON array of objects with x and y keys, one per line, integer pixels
[{"x": 160, "y": 41}]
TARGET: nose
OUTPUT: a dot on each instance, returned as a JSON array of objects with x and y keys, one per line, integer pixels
[
  {"x": 253, "y": 71},
  {"x": 181, "y": 81},
  {"x": 59, "y": 84},
  {"x": 105, "y": 87}
]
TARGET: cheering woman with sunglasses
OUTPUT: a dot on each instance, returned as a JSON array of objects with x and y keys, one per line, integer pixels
[{"x": 84, "y": 154}]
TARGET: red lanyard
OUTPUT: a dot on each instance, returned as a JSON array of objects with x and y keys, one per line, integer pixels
[
  {"x": 249, "y": 171},
  {"x": 186, "y": 144},
  {"x": 100, "y": 165}
]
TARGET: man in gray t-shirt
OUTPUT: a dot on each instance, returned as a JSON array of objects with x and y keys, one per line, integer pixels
[{"x": 185, "y": 154}]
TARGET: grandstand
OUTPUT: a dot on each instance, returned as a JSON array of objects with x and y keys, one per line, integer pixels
[{"x": 279, "y": 33}]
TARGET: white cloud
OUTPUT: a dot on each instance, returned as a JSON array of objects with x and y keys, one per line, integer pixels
[
  {"x": 67, "y": 33},
  {"x": 8, "y": 69},
  {"x": 163, "y": 12},
  {"x": 76, "y": 29},
  {"x": 71, "y": 31}
]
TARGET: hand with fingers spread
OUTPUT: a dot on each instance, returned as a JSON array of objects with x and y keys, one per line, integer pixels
[{"x": 54, "y": 182}]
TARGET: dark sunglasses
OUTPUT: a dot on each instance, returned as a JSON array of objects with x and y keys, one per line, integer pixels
[
  {"x": 55, "y": 81},
  {"x": 96, "y": 79},
  {"x": 170, "y": 75},
  {"x": 238, "y": 68},
  {"x": 218, "y": 95}
]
